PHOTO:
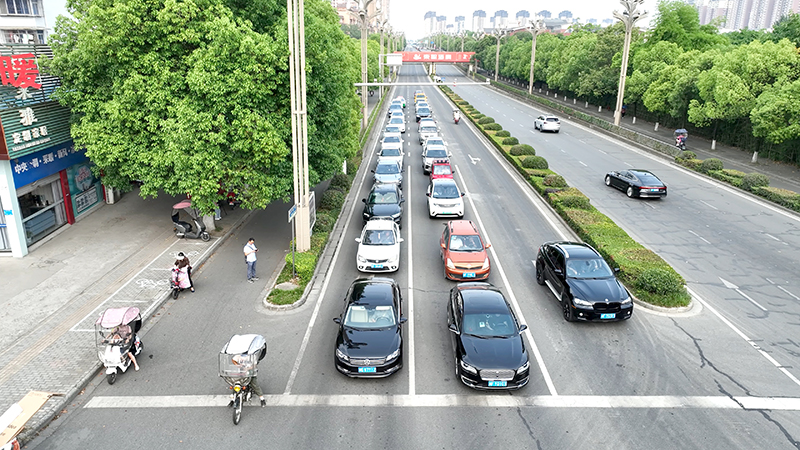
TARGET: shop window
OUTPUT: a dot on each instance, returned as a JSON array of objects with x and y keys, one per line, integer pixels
[
  {"x": 5, "y": 245},
  {"x": 42, "y": 211}
]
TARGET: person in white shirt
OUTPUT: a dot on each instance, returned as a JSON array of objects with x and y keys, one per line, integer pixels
[{"x": 250, "y": 258}]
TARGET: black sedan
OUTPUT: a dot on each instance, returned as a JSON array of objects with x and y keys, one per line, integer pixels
[
  {"x": 384, "y": 200},
  {"x": 637, "y": 183},
  {"x": 486, "y": 338},
  {"x": 582, "y": 281},
  {"x": 370, "y": 339}
]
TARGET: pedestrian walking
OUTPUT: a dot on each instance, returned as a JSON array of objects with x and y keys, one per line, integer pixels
[
  {"x": 180, "y": 263},
  {"x": 250, "y": 258}
]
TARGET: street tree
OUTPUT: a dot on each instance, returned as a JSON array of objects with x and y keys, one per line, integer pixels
[
  {"x": 679, "y": 22},
  {"x": 776, "y": 115}
]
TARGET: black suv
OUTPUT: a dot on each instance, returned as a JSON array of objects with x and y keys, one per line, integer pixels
[
  {"x": 384, "y": 200},
  {"x": 582, "y": 281}
]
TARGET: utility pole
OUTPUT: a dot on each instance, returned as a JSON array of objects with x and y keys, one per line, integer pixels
[
  {"x": 297, "y": 80},
  {"x": 535, "y": 27},
  {"x": 498, "y": 34},
  {"x": 629, "y": 17},
  {"x": 362, "y": 13}
]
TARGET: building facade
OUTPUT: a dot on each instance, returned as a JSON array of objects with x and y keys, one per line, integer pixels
[
  {"x": 478, "y": 20},
  {"x": 22, "y": 22}
]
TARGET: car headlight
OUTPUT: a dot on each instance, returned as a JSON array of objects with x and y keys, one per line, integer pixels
[
  {"x": 626, "y": 300},
  {"x": 361, "y": 259},
  {"x": 524, "y": 367},
  {"x": 450, "y": 264},
  {"x": 393, "y": 355},
  {"x": 485, "y": 264},
  {"x": 468, "y": 368},
  {"x": 340, "y": 354},
  {"x": 579, "y": 302}
]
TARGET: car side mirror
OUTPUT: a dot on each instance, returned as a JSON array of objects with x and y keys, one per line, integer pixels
[
  {"x": 337, "y": 320},
  {"x": 442, "y": 244},
  {"x": 449, "y": 155},
  {"x": 372, "y": 171},
  {"x": 400, "y": 240},
  {"x": 488, "y": 245},
  {"x": 463, "y": 194},
  {"x": 403, "y": 319},
  {"x": 616, "y": 269},
  {"x": 402, "y": 200},
  {"x": 363, "y": 200},
  {"x": 522, "y": 328},
  {"x": 427, "y": 194},
  {"x": 358, "y": 240},
  {"x": 454, "y": 329}
]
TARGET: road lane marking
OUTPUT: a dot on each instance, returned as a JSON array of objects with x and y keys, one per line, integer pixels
[
  {"x": 700, "y": 237},
  {"x": 771, "y": 236},
  {"x": 583, "y": 163},
  {"x": 412, "y": 383},
  {"x": 752, "y": 343},
  {"x": 730, "y": 285},
  {"x": 744, "y": 403},
  {"x": 534, "y": 348},
  {"x": 707, "y": 204},
  {"x": 312, "y": 321},
  {"x": 784, "y": 290},
  {"x": 474, "y": 160}
]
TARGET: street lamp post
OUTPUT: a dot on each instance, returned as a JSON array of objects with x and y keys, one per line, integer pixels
[
  {"x": 381, "y": 27},
  {"x": 535, "y": 27},
  {"x": 629, "y": 16},
  {"x": 297, "y": 89},
  {"x": 462, "y": 35},
  {"x": 498, "y": 33},
  {"x": 362, "y": 13}
]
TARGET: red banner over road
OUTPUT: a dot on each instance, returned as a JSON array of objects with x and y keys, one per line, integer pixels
[{"x": 443, "y": 57}]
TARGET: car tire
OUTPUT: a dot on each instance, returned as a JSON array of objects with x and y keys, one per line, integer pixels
[
  {"x": 539, "y": 274},
  {"x": 567, "y": 310},
  {"x": 557, "y": 131},
  {"x": 608, "y": 180},
  {"x": 629, "y": 192}
]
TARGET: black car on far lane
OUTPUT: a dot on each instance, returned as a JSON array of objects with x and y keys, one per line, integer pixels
[
  {"x": 582, "y": 281},
  {"x": 637, "y": 183},
  {"x": 369, "y": 343},
  {"x": 486, "y": 338},
  {"x": 384, "y": 200}
]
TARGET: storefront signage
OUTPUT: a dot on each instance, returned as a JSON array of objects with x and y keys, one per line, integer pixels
[
  {"x": 447, "y": 57},
  {"x": 83, "y": 187},
  {"x": 19, "y": 71},
  {"x": 35, "y": 127},
  {"x": 29, "y": 168}
]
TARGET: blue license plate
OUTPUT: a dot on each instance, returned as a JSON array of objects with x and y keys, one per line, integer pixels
[
  {"x": 366, "y": 370},
  {"x": 607, "y": 316},
  {"x": 377, "y": 266},
  {"x": 498, "y": 384},
  {"x": 469, "y": 275},
  {"x": 654, "y": 190}
]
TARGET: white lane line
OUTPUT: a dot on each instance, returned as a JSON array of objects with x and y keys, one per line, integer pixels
[
  {"x": 752, "y": 343},
  {"x": 605, "y": 153},
  {"x": 730, "y": 285},
  {"x": 581, "y": 162},
  {"x": 534, "y": 348},
  {"x": 751, "y": 300},
  {"x": 787, "y": 292},
  {"x": 324, "y": 289},
  {"x": 766, "y": 234},
  {"x": 449, "y": 400},
  {"x": 412, "y": 383},
  {"x": 705, "y": 203},
  {"x": 627, "y": 163},
  {"x": 701, "y": 237}
]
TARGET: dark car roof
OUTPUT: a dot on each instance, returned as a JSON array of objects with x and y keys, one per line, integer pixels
[
  {"x": 387, "y": 187},
  {"x": 373, "y": 292},
  {"x": 577, "y": 250},
  {"x": 482, "y": 298}
]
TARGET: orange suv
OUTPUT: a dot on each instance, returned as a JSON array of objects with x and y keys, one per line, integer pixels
[{"x": 463, "y": 252}]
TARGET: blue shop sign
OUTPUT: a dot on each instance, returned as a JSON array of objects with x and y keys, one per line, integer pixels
[{"x": 29, "y": 168}]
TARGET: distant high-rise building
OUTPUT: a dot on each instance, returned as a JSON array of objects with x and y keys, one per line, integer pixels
[
  {"x": 544, "y": 14},
  {"x": 460, "y": 20},
  {"x": 430, "y": 22},
  {"x": 441, "y": 23},
  {"x": 709, "y": 10},
  {"x": 478, "y": 20},
  {"x": 500, "y": 19},
  {"x": 522, "y": 18},
  {"x": 752, "y": 14},
  {"x": 566, "y": 15},
  {"x": 607, "y": 22},
  {"x": 22, "y": 22}
]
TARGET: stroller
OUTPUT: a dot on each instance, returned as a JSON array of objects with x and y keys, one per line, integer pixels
[{"x": 680, "y": 138}]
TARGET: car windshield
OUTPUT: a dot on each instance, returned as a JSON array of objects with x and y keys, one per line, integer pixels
[
  {"x": 489, "y": 325},
  {"x": 390, "y": 152},
  {"x": 392, "y": 129},
  {"x": 391, "y": 139},
  {"x": 466, "y": 243},
  {"x": 424, "y": 111},
  {"x": 588, "y": 268},
  {"x": 378, "y": 237},
  {"x": 396, "y": 120},
  {"x": 396, "y": 106},
  {"x": 383, "y": 198},
  {"x": 389, "y": 168},
  {"x": 445, "y": 191},
  {"x": 552, "y": 119},
  {"x": 367, "y": 317},
  {"x": 427, "y": 130},
  {"x": 442, "y": 169},
  {"x": 435, "y": 153},
  {"x": 435, "y": 141}
]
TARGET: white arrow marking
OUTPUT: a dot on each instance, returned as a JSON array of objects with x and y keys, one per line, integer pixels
[
  {"x": 473, "y": 159},
  {"x": 730, "y": 285}
]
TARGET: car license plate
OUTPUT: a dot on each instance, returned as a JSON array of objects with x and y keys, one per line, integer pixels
[
  {"x": 366, "y": 370},
  {"x": 469, "y": 275},
  {"x": 654, "y": 190},
  {"x": 377, "y": 266},
  {"x": 607, "y": 316},
  {"x": 498, "y": 384}
]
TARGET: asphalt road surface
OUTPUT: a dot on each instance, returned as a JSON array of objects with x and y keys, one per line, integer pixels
[{"x": 703, "y": 379}]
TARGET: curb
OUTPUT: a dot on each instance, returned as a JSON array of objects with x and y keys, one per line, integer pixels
[{"x": 31, "y": 430}]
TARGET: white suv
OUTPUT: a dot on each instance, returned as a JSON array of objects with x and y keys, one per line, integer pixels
[
  {"x": 444, "y": 198},
  {"x": 547, "y": 123},
  {"x": 379, "y": 246}
]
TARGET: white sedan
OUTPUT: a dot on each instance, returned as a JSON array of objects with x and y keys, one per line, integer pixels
[
  {"x": 444, "y": 198},
  {"x": 398, "y": 122},
  {"x": 379, "y": 246}
]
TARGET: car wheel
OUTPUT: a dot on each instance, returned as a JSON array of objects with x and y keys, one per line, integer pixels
[
  {"x": 565, "y": 306},
  {"x": 608, "y": 180},
  {"x": 629, "y": 192},
  {"x": 557, "y": 131},
  {"x": 539, "y": 274}
]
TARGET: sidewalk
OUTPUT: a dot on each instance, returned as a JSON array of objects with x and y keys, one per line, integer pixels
[{"x": 781, "y": 175}]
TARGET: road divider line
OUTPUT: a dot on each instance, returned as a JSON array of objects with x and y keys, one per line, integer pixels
[
  {"x": 744, "y": 403},
  {"x": 534, "y": 348},
  {"x": 412, "y": 386}
]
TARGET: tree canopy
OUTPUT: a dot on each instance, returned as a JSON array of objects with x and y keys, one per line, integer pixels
[{"x": 192, "y": 96}]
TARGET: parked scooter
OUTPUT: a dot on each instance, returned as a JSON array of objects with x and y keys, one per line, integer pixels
[
  {"x": 238, "y": 365},
  {"x": 185, "y": 229},
  {"x": 116, "y": 339}
]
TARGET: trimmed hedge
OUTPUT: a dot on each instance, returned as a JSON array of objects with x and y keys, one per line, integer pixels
[
  {"x": 503, "y": 133},
  {"x": 710, "y": 164},
  {"x": 534, "y": 162},
  {"x": 783, "y": 197},
  {"x": 493, "y": 127},
  {"x": 324, "y": 222},
  {"x": 478, "y": 116},
  {"x": 486, "y": 119},
  {"x": 340, "y": 181},
  {"x": 754, "y": 180},
  {"x": 510, "y": 141},
  {"x": 554, "y": 180},
  {"x": 331, "y": 200},
  {"x": 686, "y": 154},
  {"x": 522, "y": 149}
]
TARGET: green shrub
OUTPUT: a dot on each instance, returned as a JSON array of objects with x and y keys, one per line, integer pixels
[
  {"x": 553, "y": 180},
  {"x": 575, "y": 201},
  {"x": 510, "y": 141},
  {"x": 331, "y": 200},
  {"x": 540, "y": 173},
  {"x": 659, "y": 281},
  {"x": 522, "y": 149},
  {"x": 753, "y": 180},
  {"x": 480, "y": 116},
  {"x": 493, "y": 127},
  {"x": 304, "y": 264},
  {"x": 733, "y": 173},
  {"x": 352, "y": 166},
  {"x": 340, "y": 181},
  {"x": 486, "y": 119},
  {"x": 687, "y": 155},
  {"x": 789, "y": 199},
  {"x": 324, "y": 223},
  {"x": 710, "y": 164},
  {"x": 534, "y": 162},
  {"x": 693, "y": 164},
  {"x": 503, "y": 133},
  {"x": 466, "y": 103}
]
